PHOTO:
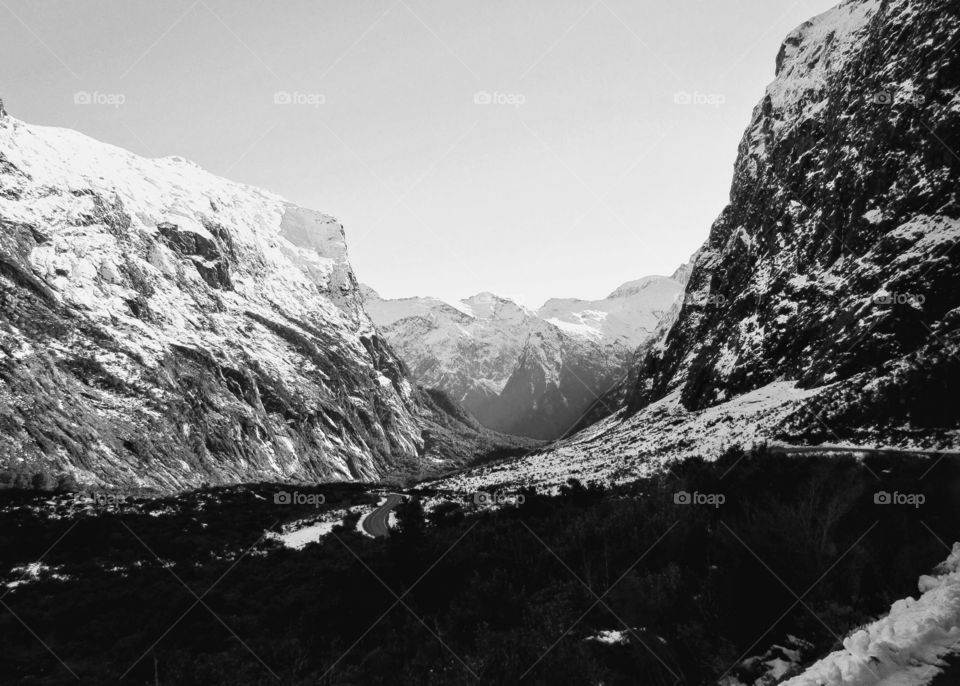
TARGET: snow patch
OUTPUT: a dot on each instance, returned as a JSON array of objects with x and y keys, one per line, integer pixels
[{"x": 907, "y": 646}]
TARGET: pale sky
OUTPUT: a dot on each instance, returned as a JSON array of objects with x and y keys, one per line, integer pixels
[{"x": 580, "y": 174}]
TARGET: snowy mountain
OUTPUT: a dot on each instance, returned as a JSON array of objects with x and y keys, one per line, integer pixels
[
  {"x": 831, "y": 265},
  {"x": 469, "y": 348},
  {"x": 626, "y": 317},
  {"x": 823, "y": 307},
  {"x": 165, "y": 327},
  {"x": 519, "y": 371}
]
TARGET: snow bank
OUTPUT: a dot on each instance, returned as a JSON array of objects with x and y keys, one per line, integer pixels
[
  {"x": 907, "y": 646},
  {"x": 298, "y": 538}
]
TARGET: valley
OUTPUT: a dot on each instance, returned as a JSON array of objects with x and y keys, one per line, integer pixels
[
  {"x": 524, "y": 372},
  {"x": 126, "y": 586},
  {"x": 224, "y": 460}
]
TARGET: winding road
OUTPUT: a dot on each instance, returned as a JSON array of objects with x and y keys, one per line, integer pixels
[{"x": 376, "y": 523}]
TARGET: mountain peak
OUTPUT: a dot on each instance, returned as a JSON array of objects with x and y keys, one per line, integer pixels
[
  {"x": 682, "y": 273},
  {"x": 486, "y": 298},
  {"x": 633, "y": 287},
  {"x": 369, "y": 294},
  {"x": 486, "y": 305}
]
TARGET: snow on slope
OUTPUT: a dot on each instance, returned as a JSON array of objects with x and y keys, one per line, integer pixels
[
  {"x": 619, "y": 450},
  {"x": 907, "y": 646},
  {"x": 296, "y": 251},
  {"x": 626, "y": 317},
  {"x": 162, "y": 326}
]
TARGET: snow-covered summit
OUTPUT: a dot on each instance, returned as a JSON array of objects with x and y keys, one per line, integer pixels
[{"x": 627, "y": 317}]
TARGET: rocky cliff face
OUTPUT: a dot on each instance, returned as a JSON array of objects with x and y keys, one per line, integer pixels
[
  {"x": 161, "y": 326},
  {"x": 522, "y": 372},
  {"x": 834, "y": 262}
]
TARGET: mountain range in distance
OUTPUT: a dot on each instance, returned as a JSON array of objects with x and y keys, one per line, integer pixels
[{"x": 520, "y": 371}]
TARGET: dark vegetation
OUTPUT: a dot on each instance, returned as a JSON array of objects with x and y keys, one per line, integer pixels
[{"x": 500, "y": 595}]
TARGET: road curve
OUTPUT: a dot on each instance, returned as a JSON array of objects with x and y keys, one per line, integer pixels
[{"x": 376, "y": 523}]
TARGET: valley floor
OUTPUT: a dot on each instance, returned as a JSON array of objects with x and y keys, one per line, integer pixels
[{"x": 744, "y": 570}]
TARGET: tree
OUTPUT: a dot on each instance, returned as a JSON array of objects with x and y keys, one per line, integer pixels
[
  {"x": 411, "y": 521},
  {"x": 67, "y": 483},
  {"x": 40, "y": 481}
]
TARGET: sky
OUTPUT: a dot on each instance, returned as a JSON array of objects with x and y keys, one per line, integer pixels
[{"x": 530, "y": 148}]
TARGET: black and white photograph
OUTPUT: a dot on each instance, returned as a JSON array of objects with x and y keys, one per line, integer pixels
[{"x": 462, "y": 342}]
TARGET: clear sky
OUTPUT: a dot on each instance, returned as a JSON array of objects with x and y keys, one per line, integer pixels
[{"x": 577, "y": 172}]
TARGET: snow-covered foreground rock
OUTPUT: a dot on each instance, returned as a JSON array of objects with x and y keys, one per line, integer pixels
[
  {"x": 519, "y": 371},
  {"x": 162, "y": 326},
  {"x": 907, "y": 646}
]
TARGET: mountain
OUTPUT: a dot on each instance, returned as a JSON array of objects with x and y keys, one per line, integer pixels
[
  {"x": 518, "y": 371},
  {"x": 468, "y": 348},
  {"x": 620, "y": 393},
  {"x": 823, "y": 308},
  {"x": 627, "y": 317},
  {"x": 164, "y": 327},
  {"x": 832, "y": 264}
]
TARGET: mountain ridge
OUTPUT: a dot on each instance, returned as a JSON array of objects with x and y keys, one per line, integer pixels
[
  {"x": 520, "y": 371},
  {"x": 165, "y": 327}
]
